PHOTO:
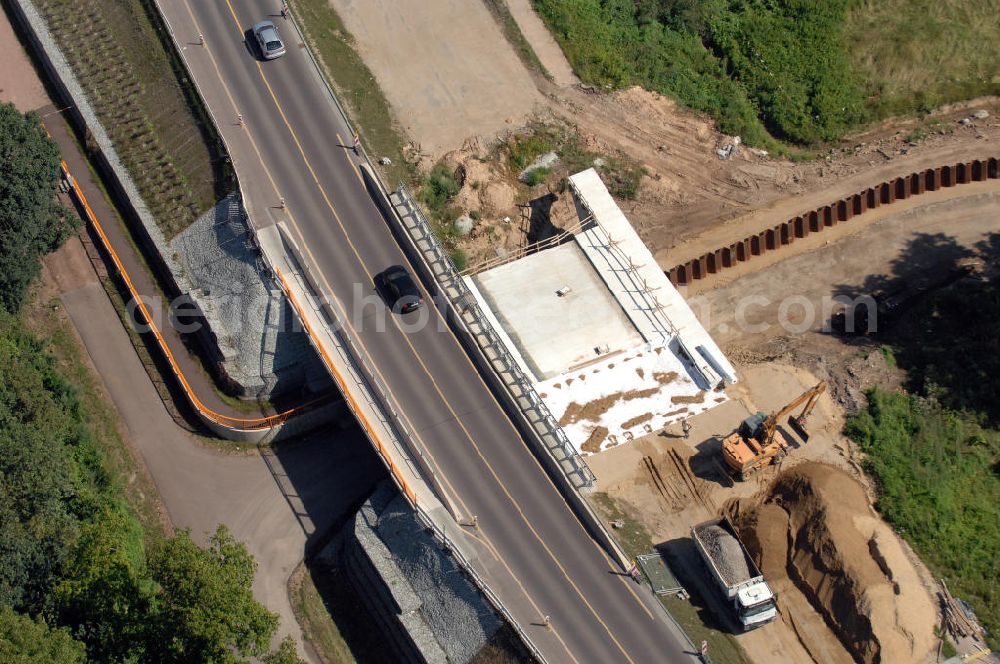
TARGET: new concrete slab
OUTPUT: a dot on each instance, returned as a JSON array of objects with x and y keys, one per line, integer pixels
[
  {"x": 626, "y": 265},
  {"x": 555, "y": 333}
]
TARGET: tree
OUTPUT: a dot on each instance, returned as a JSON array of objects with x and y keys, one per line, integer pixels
[
  {"x": 103, "y": 595},
  {"x": 26, "y": 641},
  {"x": 41, "y": 487},
  {"x": 32, "y": 222},
  {"x": 285, "y": 654},
  {"x": 204, "y": 607}
]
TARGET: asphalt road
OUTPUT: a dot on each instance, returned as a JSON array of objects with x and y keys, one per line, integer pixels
[{"x": 536, "y": 554}]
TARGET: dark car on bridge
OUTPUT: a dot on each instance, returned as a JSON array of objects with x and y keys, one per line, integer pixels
[{"x": 399, "y": 289}]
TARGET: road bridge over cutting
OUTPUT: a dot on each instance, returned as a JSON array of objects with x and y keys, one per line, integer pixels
[{"x": 303, "y": 189}]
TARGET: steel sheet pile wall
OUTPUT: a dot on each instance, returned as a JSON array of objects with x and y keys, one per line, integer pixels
[{"x": 830, "y": 215}]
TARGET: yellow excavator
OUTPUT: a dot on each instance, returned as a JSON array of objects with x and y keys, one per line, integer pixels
[{"x": 758, "y": 443}]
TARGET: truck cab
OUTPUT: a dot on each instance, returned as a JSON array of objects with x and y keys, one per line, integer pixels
[{"x": 755, "y": 605}]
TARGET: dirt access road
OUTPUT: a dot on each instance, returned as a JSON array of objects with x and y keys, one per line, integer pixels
[
  {"x": 432, "y": 72},
  {"x": 443, "y": 65}
]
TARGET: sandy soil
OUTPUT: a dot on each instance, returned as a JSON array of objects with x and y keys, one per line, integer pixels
[
  {"x": 906, "y": 244},
  {"x": 814, "y": 532},
  {"x": 19, "y": 85},
  {"x": 542, "y": 43},
  {"x": 444, "y": 66},
  {"x": 690, "y": 202},
  {"x": 697, "y": 490}
]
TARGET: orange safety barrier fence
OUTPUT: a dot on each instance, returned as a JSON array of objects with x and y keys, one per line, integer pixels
[
  {"x": 362, "y": 418},
  {"x": 246, "y": 424}
]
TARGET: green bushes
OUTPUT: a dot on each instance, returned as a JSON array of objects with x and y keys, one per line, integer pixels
[
  {"x": 750, "y": 64},
  {"x": 938, "y": 485},
  {"x": 792, "y": 59},
  {"x": 27, "y": 641},
  {"x": 537, "y": 176},
  {"x": 617, "y": 43},
  {"x": 522, "y": 150},
  {"x": 123, "y": 57},
  {"x": 440, "y": 188},
  {"x": 459, "y": 259},
  {"x": 73, "y": 552},
  {"x": 32, "y": 223}
]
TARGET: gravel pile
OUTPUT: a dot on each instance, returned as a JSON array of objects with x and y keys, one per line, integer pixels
[
  {"x": 452, "y": 607},
  {"x": 253, "y": 324},
  {"x": 726, "y": 552}
]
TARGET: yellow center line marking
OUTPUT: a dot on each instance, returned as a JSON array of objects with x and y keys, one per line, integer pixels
[
  {"x": 232, "y": 100},
  {"x": 625, "y": 582},
  {"x": 437, "y": 388},
  {"x": 293, "y": 223}
]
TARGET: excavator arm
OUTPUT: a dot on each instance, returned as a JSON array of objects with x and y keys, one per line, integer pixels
[
  {"x": 810, "y": 397},
  {"x": 754, "y": 443}
]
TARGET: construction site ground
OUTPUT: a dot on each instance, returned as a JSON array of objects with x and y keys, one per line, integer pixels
[
  {"x": 667, "y": 483},
  {"x": 690, "y": 201}
]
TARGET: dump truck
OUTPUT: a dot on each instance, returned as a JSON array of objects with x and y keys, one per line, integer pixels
[
  {"x": 734, "y": 573},
  {"x": 758, "y": 442}
]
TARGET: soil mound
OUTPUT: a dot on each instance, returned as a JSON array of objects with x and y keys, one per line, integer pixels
[{"x": 815, "y": 528}]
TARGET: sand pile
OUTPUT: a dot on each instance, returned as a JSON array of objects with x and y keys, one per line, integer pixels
[{"x": 815, "y": 528}]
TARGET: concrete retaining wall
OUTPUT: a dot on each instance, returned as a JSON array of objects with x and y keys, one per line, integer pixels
[
  {"x": 416, "y": 592},
  {"x": 82, "y": 115},
  {"x": 101, "y": 151}
]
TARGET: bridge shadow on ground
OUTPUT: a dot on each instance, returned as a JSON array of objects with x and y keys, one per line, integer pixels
[{"x": 325, "y": 476}]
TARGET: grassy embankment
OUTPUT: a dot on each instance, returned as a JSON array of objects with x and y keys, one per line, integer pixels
[
  {"x": 785, "y": 74},
  {"x": 512, "y": 31},
  {"x": 935, "y": 450},
  {"x": 314, "y": 611},
  {"x": 44, "y": 320},
  {"x": 919, "y": 54},
  {"x": 355, "y": 86},
  {"x": 123, "y": 59}
]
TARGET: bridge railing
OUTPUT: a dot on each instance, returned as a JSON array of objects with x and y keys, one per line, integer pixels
[{"x": 479, "y": 326}]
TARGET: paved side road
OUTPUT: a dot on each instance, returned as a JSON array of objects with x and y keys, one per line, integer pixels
[
  {"x": 279, "y": 506},
  {"x": 278, "y": 514}
]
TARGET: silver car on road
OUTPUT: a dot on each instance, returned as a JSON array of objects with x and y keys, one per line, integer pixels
[{"x": 271, "y": 46}]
